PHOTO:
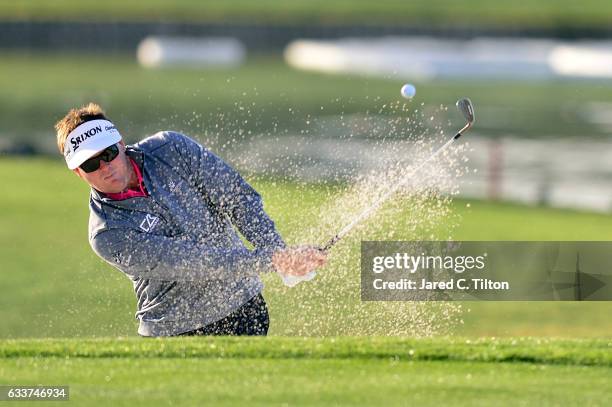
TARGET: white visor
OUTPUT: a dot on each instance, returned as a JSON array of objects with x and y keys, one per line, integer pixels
[{"x": 87, "y": 140}]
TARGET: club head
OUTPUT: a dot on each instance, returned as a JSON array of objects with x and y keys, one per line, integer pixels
[{"x": 467, "y": 109}]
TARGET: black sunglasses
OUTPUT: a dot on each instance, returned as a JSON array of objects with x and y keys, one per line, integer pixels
[{"x": 92, "y": 164}]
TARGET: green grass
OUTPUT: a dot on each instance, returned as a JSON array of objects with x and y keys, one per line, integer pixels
[
  {"x": 321, "y": 372},
  {"x": 266, "y": 96},
  {"x": 483, "y": 13},
  {"x": 585, "y": 352},
  {"x": 54, "y": 285}
]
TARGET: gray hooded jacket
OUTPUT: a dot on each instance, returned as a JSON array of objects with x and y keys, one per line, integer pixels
[{"x": 179, "y": 245}]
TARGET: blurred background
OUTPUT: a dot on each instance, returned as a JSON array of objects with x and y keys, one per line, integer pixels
[
  {"x": 539, "y": 73},
  {"x": 302, "y": 92}
]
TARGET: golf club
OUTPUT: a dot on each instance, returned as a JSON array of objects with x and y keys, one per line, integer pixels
[{"x": 467, "y": 109}]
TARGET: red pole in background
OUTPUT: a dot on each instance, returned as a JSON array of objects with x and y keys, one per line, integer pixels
[{"x": 494, "y": 185}]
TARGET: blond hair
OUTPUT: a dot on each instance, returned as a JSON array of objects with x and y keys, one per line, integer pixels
[{"x": 73, "y": 119}]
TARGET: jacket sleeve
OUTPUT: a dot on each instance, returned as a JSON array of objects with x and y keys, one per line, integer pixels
[
  {"x": 158, "y": 257},
  {"x": 230, "y": 194}
]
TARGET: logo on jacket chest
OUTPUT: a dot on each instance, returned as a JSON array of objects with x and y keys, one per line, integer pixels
[{"x": 149, "y": 222}]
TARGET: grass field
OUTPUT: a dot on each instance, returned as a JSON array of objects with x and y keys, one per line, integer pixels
[
  {"x": 318, "y": 372},
  {"x": 266, "y": 96},
  {"x": 538, "y": 13},
  {"x": 57, "y": 295},
  {"x": 54, "y": 286}
]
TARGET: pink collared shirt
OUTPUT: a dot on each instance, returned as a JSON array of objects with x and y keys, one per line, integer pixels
[{"x": 131, "y": 193}]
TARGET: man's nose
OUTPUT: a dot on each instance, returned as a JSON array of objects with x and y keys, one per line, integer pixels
[{"x": 103, "y": 165}]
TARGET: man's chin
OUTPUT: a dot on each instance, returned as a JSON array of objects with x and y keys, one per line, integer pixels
[{"x": 113, "y": 188}]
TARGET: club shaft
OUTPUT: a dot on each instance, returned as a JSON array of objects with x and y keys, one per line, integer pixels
[{"x": 367, "y": 212}]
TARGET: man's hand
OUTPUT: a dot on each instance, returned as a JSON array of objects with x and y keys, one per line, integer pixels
[{"x": 298, "y": 261}]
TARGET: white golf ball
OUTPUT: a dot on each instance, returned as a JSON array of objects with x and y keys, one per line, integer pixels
[{"x": 408, "y": 91}]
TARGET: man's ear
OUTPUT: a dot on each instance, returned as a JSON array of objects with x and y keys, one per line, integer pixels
[{"x": 77, "y": 172}]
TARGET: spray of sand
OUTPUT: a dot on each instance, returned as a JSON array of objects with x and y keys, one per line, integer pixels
[{"x": 331, "y": 304}]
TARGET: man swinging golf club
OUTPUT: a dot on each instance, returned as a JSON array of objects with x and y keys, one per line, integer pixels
[{"x": 166, "y": 211}]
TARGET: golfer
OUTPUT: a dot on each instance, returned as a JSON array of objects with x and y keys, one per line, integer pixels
[{"x": 166, "y": 212}]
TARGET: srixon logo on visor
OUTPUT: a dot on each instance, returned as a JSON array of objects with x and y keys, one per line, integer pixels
[{"x": 84, "y": 136}]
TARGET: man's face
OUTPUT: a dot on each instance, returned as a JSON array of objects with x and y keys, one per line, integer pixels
[{"x": 112, "y": 177}]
